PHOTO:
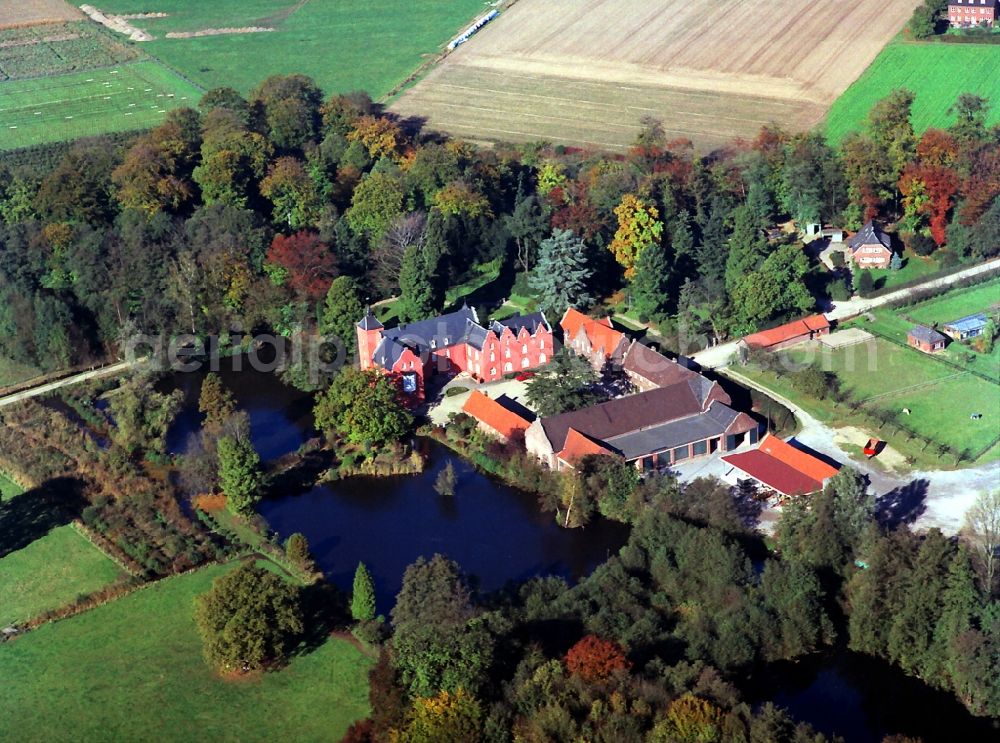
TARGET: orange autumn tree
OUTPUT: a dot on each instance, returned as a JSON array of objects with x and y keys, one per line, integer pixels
[
  {"x": 639, "y": 227},
  {"x": 595, "y": 659},
  {"x": 929, "y": 185},
  {"x": 380, "y": 136}
]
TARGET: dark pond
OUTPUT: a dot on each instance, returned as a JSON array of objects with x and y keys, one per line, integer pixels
[
  {"x": 863, "y": 699},
  {"x": 495, "y": 533},
  {"x": 498, "y": 535},
  {"x": 280, "y": 416}
]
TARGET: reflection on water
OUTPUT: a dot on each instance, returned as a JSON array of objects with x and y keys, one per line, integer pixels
[
  {"x": 494, "y": 532},
  {"x": 863, "y": 699},
  {"x": 498, "y": 534}
]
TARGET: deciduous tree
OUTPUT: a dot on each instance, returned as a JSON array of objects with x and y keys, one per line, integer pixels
[
  {"x": 363, "y": 406},
  {"x": 248, "y": 619},
  {"x": 309, "y": 263},
  {"x": 293, "y": 194},
  {"x": 215, "y": 402},
  {"x": 983, "y": 525},
  {"x": 639, "y": 228},
  {"x": 595, "y": 659},
  {"x": 439, "y": 641},
  {"x": 564, "y": 384}
]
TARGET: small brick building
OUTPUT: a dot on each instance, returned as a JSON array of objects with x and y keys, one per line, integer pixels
[{"x": 926, "y": 339}]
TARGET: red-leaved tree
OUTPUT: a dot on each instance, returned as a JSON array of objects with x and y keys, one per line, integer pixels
[
  {"x": 595, "y": 659},
  {"x": 309, "y": 262}
]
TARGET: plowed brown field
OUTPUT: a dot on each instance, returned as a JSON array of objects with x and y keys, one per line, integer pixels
[
  {"x": 28, "y": 12},
  {"x": 587, "y": 71}
]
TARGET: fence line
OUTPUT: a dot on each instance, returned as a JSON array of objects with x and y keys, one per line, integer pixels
[{"x": 952, "y": 364}]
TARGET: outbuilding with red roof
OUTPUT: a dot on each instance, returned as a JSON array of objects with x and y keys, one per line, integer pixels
[
  {"x": 781, "y": 467},
  {"x": 789, "y": 334},
  {"x": 494, "y": 417}
]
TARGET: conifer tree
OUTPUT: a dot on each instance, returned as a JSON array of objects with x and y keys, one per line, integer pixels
[
  {"x": 416, "y": 285},
  {"x": 239, "y": 474},
  {"x": 363, "y": 595},
  {"x": 561, "y": 275},
  {"x": 651, "y": 285},
  {"x": 341, "y": 310}
]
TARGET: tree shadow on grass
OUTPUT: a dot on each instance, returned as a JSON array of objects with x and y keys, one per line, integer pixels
[
  {"x": 34, "y": 514},
  {"x": 324, "y": 609},
  {"x": 904, "y": 505}
]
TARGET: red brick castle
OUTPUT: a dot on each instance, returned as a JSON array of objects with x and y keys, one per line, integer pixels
[{"x": 452, "y": 344}]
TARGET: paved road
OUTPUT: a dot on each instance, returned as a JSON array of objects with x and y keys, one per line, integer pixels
[
  {"x": 930, "y": 499},
  {"x": 722, "y": 355},
  {"x": 43, "y": 389},
  {"x": 856, "y": 306}
]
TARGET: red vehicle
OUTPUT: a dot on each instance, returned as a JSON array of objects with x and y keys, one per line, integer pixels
[
  {"x": 873, "y": 447},
  {"x": 525, "y": 376}
]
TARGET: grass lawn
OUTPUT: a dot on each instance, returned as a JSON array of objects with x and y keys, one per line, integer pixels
[
  {"x": 80, "y": 104},
  {"x": 957, "y": 304},
  {"x": 884, "y": 375},
  {"x": 8, "y": 488},
  {"x": 937, "y": 73},
  {"x": 133, "y": 670},
  {"x": 12, "y": 372},
  {"x": 870, "y": 370},
  {"x": 344, "y": 45},
  {"x": 51, "y": 572},
  {"x": 487, "y": 273},
  {"x": 897, "y": 323},
  {"x": 914, "y": 267}
]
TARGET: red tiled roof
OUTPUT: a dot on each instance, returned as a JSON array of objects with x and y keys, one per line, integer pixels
[
  {"x": 578, "y": 446},
  {"x": 493, "y": 414},
  {"x": 806, "y": 463},
  {"x": 601, "y": 333},
  {"x": 782, "y": 333},
  {"x": 782, "y": 467}
]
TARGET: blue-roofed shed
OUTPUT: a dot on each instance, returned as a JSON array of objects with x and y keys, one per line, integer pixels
[{"x": 967, "y": 327}]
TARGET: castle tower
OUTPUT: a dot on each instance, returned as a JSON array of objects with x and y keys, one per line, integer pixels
[{"x": 369, "y": 332}]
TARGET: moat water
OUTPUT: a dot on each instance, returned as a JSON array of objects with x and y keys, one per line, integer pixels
[{"x": 498, "y": 535}]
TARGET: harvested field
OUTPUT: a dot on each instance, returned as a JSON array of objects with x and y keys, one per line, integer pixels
[
  {"x": 588, "y": 72},
  {"x": 28, "y": 12}
]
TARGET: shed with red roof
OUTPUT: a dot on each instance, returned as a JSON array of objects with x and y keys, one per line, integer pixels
[
  {"x": 790, "y": 334},
  {"x": 494, "y": 417},
  {"x": 778, "y": 465}
]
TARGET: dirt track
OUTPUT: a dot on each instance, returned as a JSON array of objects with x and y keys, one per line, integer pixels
[{"x": 586, "y": 71}]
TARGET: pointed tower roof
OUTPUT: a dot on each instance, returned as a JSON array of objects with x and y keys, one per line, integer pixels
[{"x": 370, "y": 322}]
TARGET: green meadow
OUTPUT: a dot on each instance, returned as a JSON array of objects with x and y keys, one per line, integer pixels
[
  {"x": 133, "y": 670},
  {"x": 80, "y": 104},
  {"x": 936, "y": 72},
  {"x": 344, "y": 45}
]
